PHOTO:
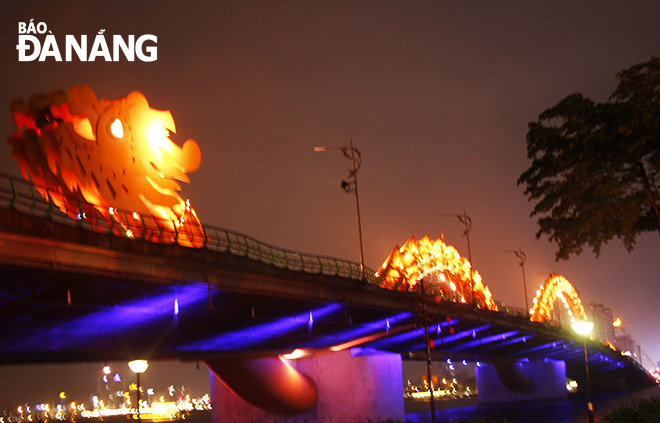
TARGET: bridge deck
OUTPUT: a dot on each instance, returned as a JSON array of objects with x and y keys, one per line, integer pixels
[{"x": 71, "y": 294}]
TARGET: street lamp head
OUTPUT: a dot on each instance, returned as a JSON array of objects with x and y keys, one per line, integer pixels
[
  {"x": 138, "y": 366},
  {"x": 322, "y": 148},
  {"x": 583, "y": 327},
  {"x": 346, "y": 186},
  {"x": 519, "y": 253}
]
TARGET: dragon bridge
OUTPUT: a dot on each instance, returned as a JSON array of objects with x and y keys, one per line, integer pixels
[
  {"x": 452, "y": 277},
  {"x": 108, "y": 161},
  {"x": 556, "y": 287},
  {"x": 112, "y": 161}
]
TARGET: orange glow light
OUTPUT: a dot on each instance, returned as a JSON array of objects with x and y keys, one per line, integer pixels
[
  {"x": 556, "y": 286},
  {"x": 117, "y": 129},
  {"x": 454, "y": 278},
  {"x": 98, "y": 159}
]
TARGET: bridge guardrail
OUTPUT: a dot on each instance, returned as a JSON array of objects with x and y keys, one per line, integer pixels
[
  {"x": 19, "y": 194},
  {"x": 512, "y": 311}
]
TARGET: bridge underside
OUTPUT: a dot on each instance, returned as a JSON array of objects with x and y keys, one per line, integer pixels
[{"x": 71, "y": 295}]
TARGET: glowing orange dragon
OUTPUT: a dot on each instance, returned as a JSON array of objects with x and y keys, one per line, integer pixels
[{"x": 108, "y": 161}]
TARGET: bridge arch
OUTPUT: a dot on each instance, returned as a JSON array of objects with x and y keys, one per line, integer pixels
[
  {"x": 556, "y": 286},
  {"x": 450, "y": 273}
]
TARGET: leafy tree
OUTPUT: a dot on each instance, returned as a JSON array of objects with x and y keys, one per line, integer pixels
[{"x": 595, "y": 168}]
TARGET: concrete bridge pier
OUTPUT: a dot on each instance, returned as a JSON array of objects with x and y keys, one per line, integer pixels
[
  {"x": 345, "y": 386},
  {"x": 511, "y": 381}
]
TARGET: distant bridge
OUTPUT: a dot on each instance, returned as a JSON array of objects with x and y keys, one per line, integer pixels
[{"x": 69, "y": 294}]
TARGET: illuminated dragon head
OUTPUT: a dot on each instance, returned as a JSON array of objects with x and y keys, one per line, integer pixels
[{"x": 114, "y": 155}]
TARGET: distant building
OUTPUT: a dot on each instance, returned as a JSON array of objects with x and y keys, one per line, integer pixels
[
  {"x": 603, "y": 319},
  {"x": 626, "y": 344},
  {"x": 559, "y": 314},
  {"x": 647, "y": 362},
  {"x": 629, "y": 347}
]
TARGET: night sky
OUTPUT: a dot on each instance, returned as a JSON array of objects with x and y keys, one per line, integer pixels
[{"x": 436, "y": 95}]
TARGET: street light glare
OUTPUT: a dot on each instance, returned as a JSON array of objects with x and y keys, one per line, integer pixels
[
  {"x": 583, "y": 327},
  {"x": 138, "y": 366},
  {"x": 331, "y": 148}
]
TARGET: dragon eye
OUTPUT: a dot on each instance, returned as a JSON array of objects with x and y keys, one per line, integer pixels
[{"x": 117, "y": 129}]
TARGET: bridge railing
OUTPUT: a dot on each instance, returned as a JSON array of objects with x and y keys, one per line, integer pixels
[
  {"x": 19, "y": 194},
  {"x": 512, "y": 311}
]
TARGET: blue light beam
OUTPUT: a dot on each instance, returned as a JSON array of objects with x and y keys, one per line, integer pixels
[
  {"x": 359, "y": 332},
  {"x": 254, "y": 335},
  {"x": 391, "y": 341},
  {"x": 121, "y": 318}
]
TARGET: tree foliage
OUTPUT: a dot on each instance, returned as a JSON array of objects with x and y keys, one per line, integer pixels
[{"x": 595, "y": 171}]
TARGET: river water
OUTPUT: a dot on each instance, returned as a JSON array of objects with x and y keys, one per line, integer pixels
[{"x": 572, "y": 410}]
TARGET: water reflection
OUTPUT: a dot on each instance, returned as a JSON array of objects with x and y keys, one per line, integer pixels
[{"x": 572, "y": 410}]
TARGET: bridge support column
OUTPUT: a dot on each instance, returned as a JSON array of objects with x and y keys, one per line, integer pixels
[
  {"x": 511, "y": 381},
  {"x": 351, "y": 385}
]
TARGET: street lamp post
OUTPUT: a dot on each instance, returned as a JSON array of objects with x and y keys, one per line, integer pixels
[
  {"x": 428, "y": 341},
  {"x": 138, "y": 367},
  {"x": 465, "y": 219},
  {"x": 521, "y": 255},
  {"x": 584, "y": 328},
  {"x": 350, "y": 186}
]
